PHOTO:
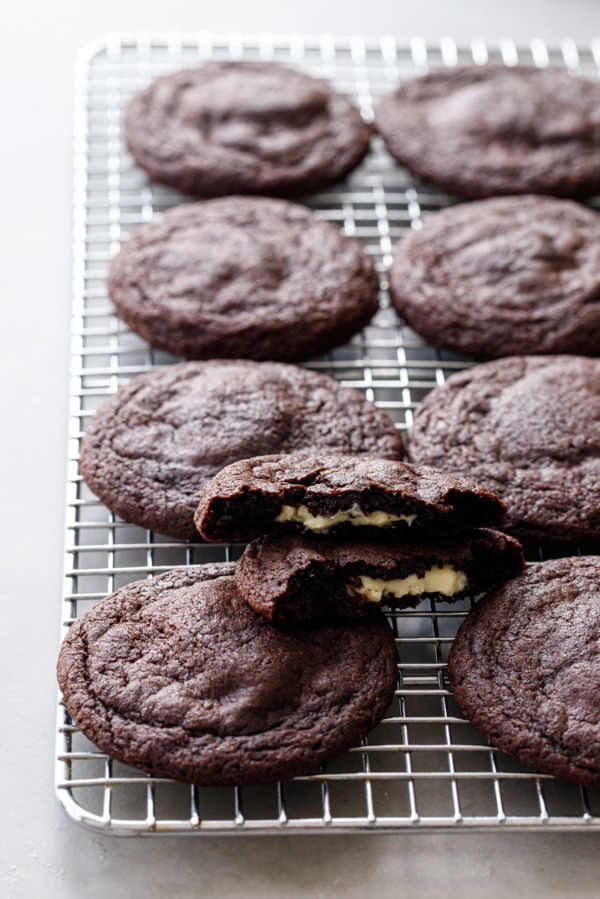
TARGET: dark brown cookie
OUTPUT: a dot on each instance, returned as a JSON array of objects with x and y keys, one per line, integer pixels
[
  {"x": 152, "y": 446},
  {"x": 503, "y": 276},
  {"x": 244, "y": 127},
  {"x": 335, "y": 494},
  {"x": 178, "y": 676},
  {"x": 525, "y": 668},
  {"x": 478, "y": 131},
  {"x": 527, "y": 428},
  {"x": 245, "y": 277},
  {"x": 286, "y": 578}
]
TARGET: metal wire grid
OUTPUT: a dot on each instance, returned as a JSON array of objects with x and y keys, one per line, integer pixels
[{"x": 424, "y": 766}]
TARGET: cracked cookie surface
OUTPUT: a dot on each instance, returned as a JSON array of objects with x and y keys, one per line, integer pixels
[
  {"x": 243, "y": 277},
  {"x": 525, "y": 668},
  {"x": 479, "y": 131},
  {"x": 503, "y": 276},
  {"x": 178, "y": 676},
  {"x": 528, "y": 429},
  {"x": 244, "y": 127}
]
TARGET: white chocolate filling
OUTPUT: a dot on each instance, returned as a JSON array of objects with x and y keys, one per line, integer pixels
[
  {"x": 442, "y": 579},
  {"x": 354, "y": 515}
]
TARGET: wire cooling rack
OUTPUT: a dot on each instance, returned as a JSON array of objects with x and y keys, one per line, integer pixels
[{"x": 424, "y": 766}]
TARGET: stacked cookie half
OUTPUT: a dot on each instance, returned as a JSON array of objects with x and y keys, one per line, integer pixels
[{"x": 336, "y": 535}]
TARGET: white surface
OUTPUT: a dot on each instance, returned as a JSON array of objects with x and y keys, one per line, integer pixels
[{"x": 41, "y": 852}]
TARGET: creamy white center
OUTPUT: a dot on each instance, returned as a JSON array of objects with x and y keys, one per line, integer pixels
[
  {"x": 354, "y": 515},
  {"x": 442, "y": 579}
]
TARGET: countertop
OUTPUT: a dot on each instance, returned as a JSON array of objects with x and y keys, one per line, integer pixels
[{"x": 41, "y": 852}]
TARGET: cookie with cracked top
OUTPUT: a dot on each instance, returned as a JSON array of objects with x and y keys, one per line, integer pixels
[
  {"x": 152, "y": 446},
  {"x": 244, "y": 127},
  {"x": 243, "y": 277},
  {"x": 340, "y": 494},
  {"x": 503, "y": 276},
  {"x": 525, "y": 668},
  {"x": 480, "y": 131},
  {"x": 287, "y": 578},
  {"x": 527, "y": 428},
  {"x": 178, "y": 676}
]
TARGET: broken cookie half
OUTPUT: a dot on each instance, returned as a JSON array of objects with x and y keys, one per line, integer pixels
[
  {"x": 340, "y": 495},
  {"x": 290, "y": 577}
]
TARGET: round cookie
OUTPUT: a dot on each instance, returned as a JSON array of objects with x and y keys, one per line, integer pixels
[
  {"x": 152, "y": 446},
  {"x": 525, "y": 668},
  {"x": 176, "y": 675},
  {"x": 244, "y": 127},
  {"x": 245, "y": 277},
  {"x": 478, "y": 131},
  {"x": 528, "y": 429},
  {"x": 503, "y": 276}
]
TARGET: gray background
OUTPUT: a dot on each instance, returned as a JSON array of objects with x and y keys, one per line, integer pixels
[{"x": 41, "y": 852}]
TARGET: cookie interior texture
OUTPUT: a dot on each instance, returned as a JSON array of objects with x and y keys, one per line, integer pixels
[
  {"x": 528, "y": 429},
  {"x": 243, "y": 277},
  {"x": 151, "y": 447},
  {"x": 178, "y": 676},
  {"x": 525, "y": 668},
  {"x": 503, "y": 276},
  {"x": 479, "y": 131},
  {"x": 339, "y": 495},
  {"x": 244, "y": 127},
  {"x": 294, "y": 578}
]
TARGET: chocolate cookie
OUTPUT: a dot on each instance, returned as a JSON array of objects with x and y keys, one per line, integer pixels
[
  {"x": 243, "y": 277},
  {"x": 477, "y": 131},
  {"x": 152, "y": 446},
  {"x": 525, "y": 668},
  {"x": 178, "y": 676},
  {"x": 244, "y": 127},
  {"x": 294, "y": 578},
  {"x": 503, "y": 276},
  {"x": 335, "y": 494},
  {"x": 527, "y": 428}
]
